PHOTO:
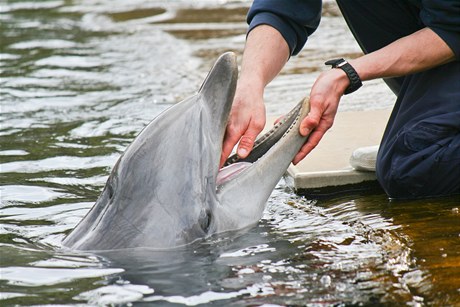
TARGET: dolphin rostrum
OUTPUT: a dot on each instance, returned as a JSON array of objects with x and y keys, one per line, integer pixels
[{"x": 166, "y": 189}]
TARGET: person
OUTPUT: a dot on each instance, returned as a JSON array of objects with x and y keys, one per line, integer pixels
[{"x": 413, "y": 44}]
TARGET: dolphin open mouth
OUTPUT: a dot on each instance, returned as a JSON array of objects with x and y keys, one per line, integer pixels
[
  {"x": 162, "y": 192},
  {"x": 235, "y": 165}
]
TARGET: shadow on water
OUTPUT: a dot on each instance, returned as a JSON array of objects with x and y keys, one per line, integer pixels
[{"x": 80, "y": 79}]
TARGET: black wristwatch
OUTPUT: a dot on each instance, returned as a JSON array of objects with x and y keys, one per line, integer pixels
[{"x": 355, "y": 81}]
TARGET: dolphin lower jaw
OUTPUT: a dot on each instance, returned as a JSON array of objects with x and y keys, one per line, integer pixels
[{"x": 243, "y": 197}]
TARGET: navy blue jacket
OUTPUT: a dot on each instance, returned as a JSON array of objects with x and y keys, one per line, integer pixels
[{"x": 297, "y": 19}]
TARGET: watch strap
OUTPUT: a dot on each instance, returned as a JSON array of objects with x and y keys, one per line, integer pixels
[{"x": 355, "y": 81}]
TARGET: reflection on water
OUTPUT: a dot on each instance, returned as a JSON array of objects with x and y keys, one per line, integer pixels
[{"x": 80, "y": 79}]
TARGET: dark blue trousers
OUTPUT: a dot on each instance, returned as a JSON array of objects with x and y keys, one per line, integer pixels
[{"x": 419, "y": 154}]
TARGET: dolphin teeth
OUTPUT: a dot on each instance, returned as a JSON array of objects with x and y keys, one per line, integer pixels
[{"x": 264, "y": 142}]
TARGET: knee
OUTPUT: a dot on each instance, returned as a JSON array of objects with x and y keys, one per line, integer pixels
[
  {"x": 429, "y": 171},
  {"x": 393, "y": 185},
  {"x": 396, "y": 179}
]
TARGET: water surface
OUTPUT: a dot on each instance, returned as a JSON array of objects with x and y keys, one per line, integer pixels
[{"x": 79, "y": 79}]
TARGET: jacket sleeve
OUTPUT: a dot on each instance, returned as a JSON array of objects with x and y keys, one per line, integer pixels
[
  {"x": 294, "y": 19},
  {"x": 443, "y": 17}
]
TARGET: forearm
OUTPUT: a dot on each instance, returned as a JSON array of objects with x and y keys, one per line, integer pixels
[
  {"x": 419, "y": 51},
  {"x": 265, "y": 54}
]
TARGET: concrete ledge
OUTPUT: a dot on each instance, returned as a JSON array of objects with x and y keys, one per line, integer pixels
[
  {"x": 327, "y": 166},
  {"x": 314, "y": 180}
]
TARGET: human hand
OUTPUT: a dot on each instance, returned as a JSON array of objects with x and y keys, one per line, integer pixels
[
  {"x": 324, "y": 101},
  {"x": 246, "y": 121},
  {"x": 265, "y": 53}
]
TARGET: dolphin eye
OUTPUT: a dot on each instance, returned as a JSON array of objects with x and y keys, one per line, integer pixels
[
  {"x": 205, "y": 221},
  {"x": 110, "y": 190},
  {"x": 111, "y": 186}
]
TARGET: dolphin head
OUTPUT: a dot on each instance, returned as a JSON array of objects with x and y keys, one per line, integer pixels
[{"x": 164, "y": 191}]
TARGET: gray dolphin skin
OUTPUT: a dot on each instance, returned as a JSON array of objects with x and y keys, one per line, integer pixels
[{"x": 164, "y": 191}]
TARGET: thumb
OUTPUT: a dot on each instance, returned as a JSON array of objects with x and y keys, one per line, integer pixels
[{"x": 309, "y": 123}]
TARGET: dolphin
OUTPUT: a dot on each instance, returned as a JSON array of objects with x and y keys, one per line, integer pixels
[{"x": 166, "y": 189}]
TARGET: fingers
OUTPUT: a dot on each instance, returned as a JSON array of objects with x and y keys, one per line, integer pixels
[
  {"x": 245, "y": 137},
  {"x": 313, "y": 140},
  {"x": 230, "y": 140},
  {"x": 310, "y": 122},
  {"x": 247, "y": 142},
  {"x": 247, "y": 120},
  {"x": 308, "y": 125},
  {"x": 316, "y": 124},
  {"x": 324, "y": 101}
]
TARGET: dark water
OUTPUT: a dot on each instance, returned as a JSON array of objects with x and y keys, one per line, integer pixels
[{"x": 79, "y": 79}]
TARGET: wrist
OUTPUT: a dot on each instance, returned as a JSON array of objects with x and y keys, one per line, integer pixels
[
  {"x": 248, "y": 95},
  {"x": 341, "y": 80},
  {"x": 250, "y": 86},
  {"x": 354, "y": 81}
]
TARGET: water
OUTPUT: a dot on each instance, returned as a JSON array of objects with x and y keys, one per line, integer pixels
[{"x": 79, "y": 79}]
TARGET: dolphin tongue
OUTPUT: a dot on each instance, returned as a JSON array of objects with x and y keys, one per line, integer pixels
[{"x": 231, "y": 171}]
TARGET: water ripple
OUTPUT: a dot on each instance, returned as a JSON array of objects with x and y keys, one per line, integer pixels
[
  {"x": 34, "y": 277},
  {"x": 80, "y": 79}
]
